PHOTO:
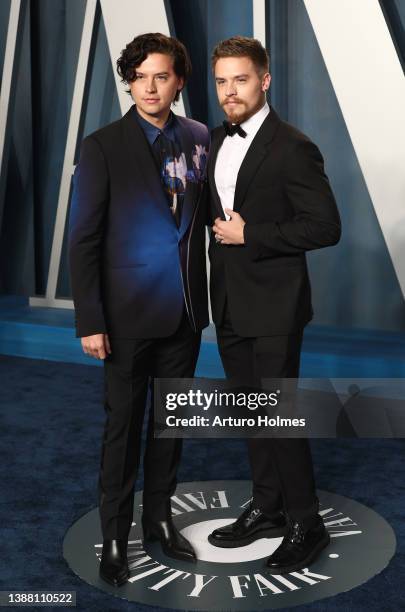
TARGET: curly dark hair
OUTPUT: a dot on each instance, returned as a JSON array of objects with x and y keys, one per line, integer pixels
[
  {"x": 242, "y": 46},
  {"x": 138, "y": 49}
]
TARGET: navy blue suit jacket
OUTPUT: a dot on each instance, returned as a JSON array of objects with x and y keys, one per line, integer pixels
[{"x": 131, "y": 267}]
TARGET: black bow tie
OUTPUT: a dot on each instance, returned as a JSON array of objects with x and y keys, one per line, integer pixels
[{"x": 234, "y": 128}]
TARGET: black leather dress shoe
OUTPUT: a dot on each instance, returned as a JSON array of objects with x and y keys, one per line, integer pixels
[
  {"x": 173, "y": 543},
  {"x": 114, "y": 562},
  {"x": 299, "y": 548},
  {"x": 250, "y": 526}
]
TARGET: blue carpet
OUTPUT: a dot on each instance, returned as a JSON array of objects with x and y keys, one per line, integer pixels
[{"x": 51, "y": 422}]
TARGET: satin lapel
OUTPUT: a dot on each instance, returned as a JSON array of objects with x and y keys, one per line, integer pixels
[
  {"x": 192, "y": 192},
  {"x": 138, "y": 149},
  {"x": 212, "y": 158},
  {"x": 254, "y": 157}
]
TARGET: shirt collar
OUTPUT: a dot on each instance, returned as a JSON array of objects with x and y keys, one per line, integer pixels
[
  {"x": 252, "y": 124},
  {"x": 152, "y": 132}
]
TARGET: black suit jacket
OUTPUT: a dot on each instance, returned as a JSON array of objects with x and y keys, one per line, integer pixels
[
  {"x": 131, "y": 266},
  {"x": 285, "y": 198}
]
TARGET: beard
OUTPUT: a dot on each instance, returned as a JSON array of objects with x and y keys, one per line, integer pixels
[
  {"x": 236, "y": 115},
  {"x": 241, "y": 113}
]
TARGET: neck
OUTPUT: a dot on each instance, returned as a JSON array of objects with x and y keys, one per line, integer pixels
[{"x": 159, "y": 120}]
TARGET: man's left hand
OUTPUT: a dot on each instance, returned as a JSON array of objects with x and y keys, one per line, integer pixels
[{"x": 229, "y": 232}]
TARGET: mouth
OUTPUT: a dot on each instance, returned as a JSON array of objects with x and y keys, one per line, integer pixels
[{"x": 151, "y": 100}]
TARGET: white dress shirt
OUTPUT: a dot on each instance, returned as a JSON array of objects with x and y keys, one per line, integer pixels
[{"x": 231, "y": 155}]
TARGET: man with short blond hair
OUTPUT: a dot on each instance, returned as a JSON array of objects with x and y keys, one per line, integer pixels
[{"x": 271, "y": 202}]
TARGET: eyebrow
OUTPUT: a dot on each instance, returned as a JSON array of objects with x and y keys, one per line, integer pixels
[{"x": 237, "y": 76}]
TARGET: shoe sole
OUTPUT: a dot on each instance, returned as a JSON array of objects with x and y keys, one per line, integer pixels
[
  {"x": 273, "y": 533},
  {"x": 115, "y": 583},
  {"x": 173, "y": 555},
  {"x": 150, "y": 537},
  {"x": 307, "y": 561}
]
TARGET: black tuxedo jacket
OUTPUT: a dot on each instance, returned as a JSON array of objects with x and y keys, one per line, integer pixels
[
  {"x": 131, "y": 267},
  {"x": 285, "y": 198}
]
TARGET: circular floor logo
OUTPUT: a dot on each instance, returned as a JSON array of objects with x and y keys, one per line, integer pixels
[{"x": 362, "y": 544}]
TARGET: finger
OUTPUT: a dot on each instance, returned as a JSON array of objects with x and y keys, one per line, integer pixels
[
  {"x": 230, "y": 212},
  {"x": 101, "y": 353},
  {"x": 221, "y": 225},
  {"x": 89, "y": 348},
  {"x": 96, "y": 348}
]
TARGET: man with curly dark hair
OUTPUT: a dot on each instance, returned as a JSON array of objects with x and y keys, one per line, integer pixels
[{"x": 137, "y": 258}]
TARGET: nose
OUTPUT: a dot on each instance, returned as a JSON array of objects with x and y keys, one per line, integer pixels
[
  {"x": 150, "y": 85},
  {"x": 230, "y": 89}
]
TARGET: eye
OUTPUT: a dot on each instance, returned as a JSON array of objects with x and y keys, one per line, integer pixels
[
  {"x": 162, "y": 78},
  {"x": 139, "y": 76},
  {"x": 241, "y": 80},
  {"x": 220, "y": 81}
]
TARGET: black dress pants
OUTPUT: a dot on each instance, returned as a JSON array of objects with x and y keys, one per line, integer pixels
[
  {"x": 281, "y": 468},
  {"x": 129, "y": 371}
]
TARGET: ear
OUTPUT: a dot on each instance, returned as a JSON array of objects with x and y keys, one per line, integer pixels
[
  {"x": 266, "y": 80},
  {"x": 180, "y": 85}
]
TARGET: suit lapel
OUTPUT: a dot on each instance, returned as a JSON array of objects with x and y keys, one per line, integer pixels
[
  {"x": 192, "y": 191},
  {"x": 254, "y": 157},
  {"x": 139, "y": 149},
  {"x": 212, "y": 158}
]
